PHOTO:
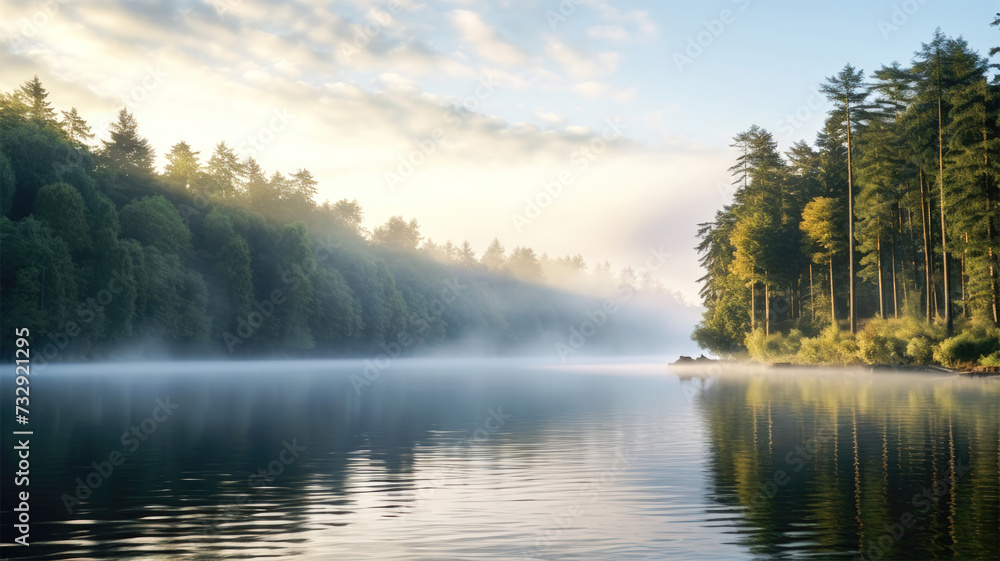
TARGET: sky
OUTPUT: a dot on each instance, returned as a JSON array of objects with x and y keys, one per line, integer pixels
[{"x": 570, "y": 126}]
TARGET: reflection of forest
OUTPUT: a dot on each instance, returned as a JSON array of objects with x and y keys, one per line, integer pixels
[
  {"x": 366, "y": 452},
  {"x": 896, "y": 467}
]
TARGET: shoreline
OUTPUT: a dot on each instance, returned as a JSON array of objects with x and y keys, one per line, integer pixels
[{"x": 975, "y": 371}]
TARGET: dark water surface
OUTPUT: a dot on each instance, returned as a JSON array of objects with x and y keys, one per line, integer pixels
[{"x": 447, "y": 460}]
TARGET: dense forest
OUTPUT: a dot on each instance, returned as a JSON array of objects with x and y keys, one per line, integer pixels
[
  {"x": 103, "y": 253},
  {"x": 889, "y": 222}
]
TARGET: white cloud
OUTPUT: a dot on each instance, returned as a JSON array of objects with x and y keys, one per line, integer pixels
[
  {"x": 608, "y": 32},
  {"x": 485, "y": 40},
  {"x": 602, "y": 90},
  {"x": 393, "y": 81},
  {"x": 550, "y": 118},
  {"x": 579, "y": 64},
  {"x": 640, "y": 20}
]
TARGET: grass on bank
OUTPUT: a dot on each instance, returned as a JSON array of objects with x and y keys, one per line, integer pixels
[{"x": 903, "y": 341}]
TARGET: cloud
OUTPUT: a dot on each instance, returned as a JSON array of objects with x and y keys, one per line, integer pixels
[
  {"x": 640, "y": 20},
  {"x": 608, "y": 32},
  {"x": 485, "y": 40},
  {"x": 603, "y": 90},
  {"x": 550, "y": 118},
  {"x": 579, "y": 64}
]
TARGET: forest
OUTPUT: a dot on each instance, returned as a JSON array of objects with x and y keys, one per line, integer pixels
[
  {"x": 878, "y": 243},
  {"x": 103, "y": 253}
]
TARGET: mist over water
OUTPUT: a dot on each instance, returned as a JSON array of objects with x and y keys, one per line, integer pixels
[{"x": 507, "y": 459}]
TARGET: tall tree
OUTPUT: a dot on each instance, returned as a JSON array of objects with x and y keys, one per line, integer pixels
[
  {"x": 76, "y": 128},
  {"x": 182, "y": 165},
  {"x": 225, "y": 172},
  {"x": 820, "y": 223},
  {"x": 848, "y": 91},
  {"x": 127, "y": 152},
  {"x": 304, "y": 186},
  {"x": 397, "y": 233},
  {"x": 494, "y": 258},
  {"x": 36, "y": 97}
]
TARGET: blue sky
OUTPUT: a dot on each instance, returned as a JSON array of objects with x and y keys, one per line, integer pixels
[{"x": 580, "y": 132}]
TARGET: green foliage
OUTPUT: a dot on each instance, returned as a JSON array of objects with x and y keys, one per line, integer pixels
[
  {"x": 153, "y": 221},
  {"x": 398, "y": 234},
  {"x": 968, "y": 347},
  {"x": 831, "y": 346},
  {"x": 61, "y": 206},
  {"x": 878, "y": 343},
  {"x": 38, "y": 285},
  {"x": 777, "y": 347},
  {"x": 991, "y": 360},
  {"x": 916, "y": 151}
]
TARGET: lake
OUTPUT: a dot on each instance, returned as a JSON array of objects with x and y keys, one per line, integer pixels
[{"x": 515, "y": 459}]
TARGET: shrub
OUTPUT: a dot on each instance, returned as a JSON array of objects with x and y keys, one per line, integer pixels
[
  {"x": 920, "y": 350},
  {"x": 831, "y": 346},
  {"x": 773, "y": 348},
  {"x": 879, "y": 344},
  {"x": 968, "y": 347},
  {"x": 992, "y": 360}
]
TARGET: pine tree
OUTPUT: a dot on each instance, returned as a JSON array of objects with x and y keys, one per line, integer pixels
[
  {"x": 39, "y": 109},
  {"x": 182, "y": 165},
  {"x": 127, "y": 152},
  {"x": 494, "y": 258},
  {"x": 466, "y": 256},
  {"x": 76, "y": 128},
  {"x": 848, "y": 91},
  {"x": 304, "y": 186},
  {"x": 225, "y": 172}
]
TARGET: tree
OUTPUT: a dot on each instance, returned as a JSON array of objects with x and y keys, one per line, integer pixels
[
  {"x": 523, "y": 263},
  {"x": 61, "y": 206},
  {"x": 820, "y": 223},
  {"x": 182, "y": 165},
  {"x": 350, "y": 213},
  {"x": 39, "y": 109},
  {"x": 225, "y": 172},
  {"x": 231, "y": 257},
  {"x": 259, "y": 193},
  {"x": 974, "y": 142},
  {"x": 466, "y": 256},
  {"x": 153, "y": 221},
  {"x": 76, "y": 128},
  {"x": 397, "y": 234},
  {"x": 847, "y": 90},
  {"x": 753, "y": 256},
  {"x": 943, "y": 67},
  {"x": 494, "y": 258},
  {"x": 304, "y": 186},
  {"x": 127, "y": 152}
]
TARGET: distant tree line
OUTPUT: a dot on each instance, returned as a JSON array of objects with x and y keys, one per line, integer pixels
[
  {"x": 892, "y": 212},
  {"x": 100, "y": 251}
]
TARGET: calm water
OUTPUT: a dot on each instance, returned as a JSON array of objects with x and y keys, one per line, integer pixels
[{"x": 506, "y": 460}]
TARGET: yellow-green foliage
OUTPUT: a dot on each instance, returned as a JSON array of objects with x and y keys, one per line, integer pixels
[
  {"x": 893, "y": 341},
  {"x": 969, "y": 347},
  {"x": 773, "y": 348},
  {"x": 831, "y": 346},
  {"x": 992, "y": 360},
  {"x": 878, "y": 343}
]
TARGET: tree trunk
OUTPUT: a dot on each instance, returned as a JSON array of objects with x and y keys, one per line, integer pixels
[
  {"x": 767, "y": 307},
  {"x": 812, "y": 299},
  {"x": 833, "y": 307},
  {"x": 753, "y": 309},
  {"x": 878, "y": 262},
  {"x": 949, "y": 326},
  {"x": 850, "y": 222},
  {"x": 928, "y": 271},
  {"x": 965, "y": 301},
  {"x": 895, "y": 296}
]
